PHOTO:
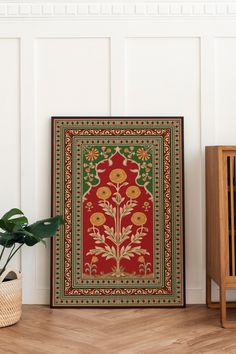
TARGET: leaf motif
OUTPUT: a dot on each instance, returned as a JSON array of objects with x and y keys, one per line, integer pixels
[
  {"x": 107, "y": 252},
  {"x": 95, "y": 234},
  {"x": 109, "y": 230},
  {"x": 101, "y": 171},
  {"x": 134, "y": 170},
  {"x": 125, "y": 233},
  {"x": 127, "y": 257},
  {"x": 118, "y": 199},
  {"x": 107, "y": 208},
  {"x": 127, "y": 208},
  {"x": 111, "y": 233},
  {"x": 124, "y": 250},
  {"x": 108, "y": 257},
  {"x": 140, "y": 233},
  {"x": 126, "y": 230},
  {"x": 128, "y": 252},
  {"x": 110, "y": 249}
]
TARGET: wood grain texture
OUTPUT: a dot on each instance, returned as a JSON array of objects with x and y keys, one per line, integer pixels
[
  {"x": 220, "y": 224},
  {"x": 194, "y": 329}
]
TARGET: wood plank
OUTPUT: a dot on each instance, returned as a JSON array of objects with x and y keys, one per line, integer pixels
[
  {"x": 212, "y": 214},
  {"x": 194, "y": 329},
  {"x": 232, "y": 213}
]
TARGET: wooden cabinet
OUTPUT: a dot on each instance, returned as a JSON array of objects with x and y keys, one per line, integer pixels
[{"x": 220, "y": 225}]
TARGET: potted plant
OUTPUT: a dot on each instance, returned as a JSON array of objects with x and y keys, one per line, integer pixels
[{"x": 17, "y": 232}]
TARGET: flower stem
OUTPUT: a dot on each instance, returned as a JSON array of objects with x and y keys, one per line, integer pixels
[
  {"x": 3, "y": 249},
  {"x": 13, "y": 247},
  {"x": 11, "y": 255}
]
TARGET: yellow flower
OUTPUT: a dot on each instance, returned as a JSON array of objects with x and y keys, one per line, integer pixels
[
  {"x": 118, "y": 175},
  {"x": 133, "y": 192},
  {"x": 103, "y": 193},
  {"x": 92, "y": 154},
  {"x": 143, "y": 154},
  {"x": 139, "y": 218},
  {"x": 97, "y": 219},
  {"x": 94, "y": 259},
  {"x": 141, "y": 259}
]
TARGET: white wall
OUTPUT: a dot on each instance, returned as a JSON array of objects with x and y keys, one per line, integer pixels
[{"x": 168, "y": 58}]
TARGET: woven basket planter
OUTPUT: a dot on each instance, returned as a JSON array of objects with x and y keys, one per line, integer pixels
[{"x": 10, "y": 297}]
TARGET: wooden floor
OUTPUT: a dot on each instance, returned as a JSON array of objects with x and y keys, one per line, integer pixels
[{"x": 195, "y": 329}]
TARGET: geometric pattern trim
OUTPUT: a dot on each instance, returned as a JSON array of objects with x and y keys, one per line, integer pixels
[
  {"x": 118, "y": 182},
  {"x": 135, "y": 10}
]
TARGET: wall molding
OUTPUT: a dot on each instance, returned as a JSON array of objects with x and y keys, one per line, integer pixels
[{"x": 122, "y": 10}]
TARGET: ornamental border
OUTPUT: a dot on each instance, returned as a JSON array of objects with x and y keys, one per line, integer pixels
[
  {"x": 115, "y": 10},
  {"x": 158, "y": 261},
  {"x": 69, "y": 291},
  {"x": 176, "y": 301}
]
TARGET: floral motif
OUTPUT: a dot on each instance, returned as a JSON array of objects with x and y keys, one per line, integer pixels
[
  {"x": 117, "y": 240},
  {"x": 97, "y": 219},
  {"x": 139, "y": 218},
  {"x": 141, "y": 259},
  {"x": 89, "y": 206},
  {"x": 91, "y": 268},
  {"x": 103, "y": 192},
  {"x": 94, "y": 259},
  {"x": 145, "y": 177},
  {"x": 143, "y": 266},
  {"x": 143, "y": 154},
  {"x": 130, "y": 151},
  {"x": 133, "y": 192},
  {"x": 146, "y": 206},
  {"x": 92, "y": 154},
  {"x": 105, "y": 152},
  {"x": 118, "y": 175}
]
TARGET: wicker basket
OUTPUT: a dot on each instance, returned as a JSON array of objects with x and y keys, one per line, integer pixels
[{"x": 10, "y": 297}]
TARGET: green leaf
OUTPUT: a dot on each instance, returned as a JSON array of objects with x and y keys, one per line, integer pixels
[
  {"x": 7, "y": 239},
  {"x": 17, "y": 231},
  {"x": 45, "y": 228},
  {"x": 31, "y": 240},
  {"x": 12, "y": 222},
  {"x": 28, "y": 238},
  {"x": 11, "y": 213},
  {"x": 3, "y": 225},
  {"x": 21, "y": 220},
  {"x": 9, "y": 226}
]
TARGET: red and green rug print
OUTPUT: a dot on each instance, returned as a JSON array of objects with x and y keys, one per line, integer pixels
[{"x": 118, "y": 182}]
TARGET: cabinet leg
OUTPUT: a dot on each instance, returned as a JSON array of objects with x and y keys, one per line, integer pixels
[
  {"x": 222, "y": 304},
  {"x": 223, "y": 314},
  {"x": 208, "y": 291}
]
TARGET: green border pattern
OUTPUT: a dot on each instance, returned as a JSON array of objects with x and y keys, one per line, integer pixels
[{"x": 69, "y": 289}]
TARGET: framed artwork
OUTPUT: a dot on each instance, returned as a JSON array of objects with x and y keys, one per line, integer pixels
[{"x": 118, "y": 182}]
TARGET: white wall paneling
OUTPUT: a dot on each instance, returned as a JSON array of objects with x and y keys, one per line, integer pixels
[
  {"x": 225, "y": 88},
  {"x": 10, "y": 126},
  {"x": 29, "y": 167},
  {"x": 126, "y": 58},
  {"x": 163, "y": 75},
  {"x": 74, "y": 83}
]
